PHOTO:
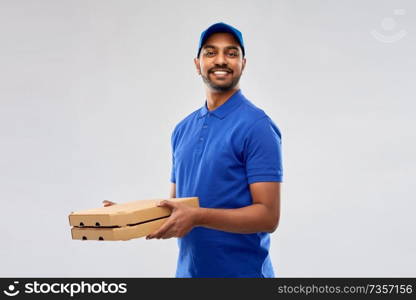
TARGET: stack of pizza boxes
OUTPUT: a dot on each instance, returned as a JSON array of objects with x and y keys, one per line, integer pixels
[{"x": 122, "y": 221}]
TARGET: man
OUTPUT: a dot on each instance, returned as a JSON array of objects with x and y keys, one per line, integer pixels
[{"x": 227, "y": 153}]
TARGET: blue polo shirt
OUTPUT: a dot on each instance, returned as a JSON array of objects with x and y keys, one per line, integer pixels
[{"x": 216, "y": 155}]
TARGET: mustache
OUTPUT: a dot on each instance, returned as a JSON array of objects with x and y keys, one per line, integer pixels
[{"x": 220, "y": 69}]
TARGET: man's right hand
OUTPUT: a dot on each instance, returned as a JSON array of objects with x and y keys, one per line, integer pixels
[{"x": 108, "y": 203}]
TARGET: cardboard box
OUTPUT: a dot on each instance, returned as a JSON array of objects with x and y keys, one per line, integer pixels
[{"x": 122, "y": 221}]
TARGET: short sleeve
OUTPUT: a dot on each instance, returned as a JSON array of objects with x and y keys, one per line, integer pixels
[
  {"x": 172, "y": 174},
  {"x": 173, "y": 169},
  {"x": 263, "y": 152}
]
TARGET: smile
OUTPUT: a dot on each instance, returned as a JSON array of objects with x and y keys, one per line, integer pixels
[{"x": 221, "y": 73}]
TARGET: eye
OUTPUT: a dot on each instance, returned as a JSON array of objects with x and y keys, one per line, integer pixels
[
  {"x": 209, "y": 53},
  {"x": 233, "y": 54}
]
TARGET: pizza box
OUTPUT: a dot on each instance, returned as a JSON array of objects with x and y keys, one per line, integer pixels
[{"x": 122, "y": 221}]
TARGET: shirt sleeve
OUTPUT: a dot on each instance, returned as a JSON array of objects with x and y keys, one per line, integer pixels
[
  {"x": 172, "y": 174},
  {"x": 263, "y": 152},
  {"x": 173, "y": 169}
]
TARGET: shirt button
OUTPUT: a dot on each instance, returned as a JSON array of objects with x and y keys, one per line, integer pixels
[
  {"x": 201, "y": 139},
  {"x": 205, "y": 126}
]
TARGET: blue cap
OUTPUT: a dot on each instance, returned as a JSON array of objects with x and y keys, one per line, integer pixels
[{"x": 220, "y": 27}]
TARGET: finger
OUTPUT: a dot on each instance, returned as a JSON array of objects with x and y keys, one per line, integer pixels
[
  {"x": 167, "y": 203},
  {"x": 108, "y": 203},
  {"x": 161, "y": 231},
  {"x": 169, "y": 234}
]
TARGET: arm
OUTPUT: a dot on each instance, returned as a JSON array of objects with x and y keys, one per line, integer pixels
[
  {"x": 261, "y": 216},
  {"x": 173, "y": 190}
]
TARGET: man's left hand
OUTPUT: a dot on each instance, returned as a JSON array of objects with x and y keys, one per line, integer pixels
[{"x": 179, "y": 223}]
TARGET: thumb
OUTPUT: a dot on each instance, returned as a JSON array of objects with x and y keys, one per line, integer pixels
[{"x": 167, "y": 203}]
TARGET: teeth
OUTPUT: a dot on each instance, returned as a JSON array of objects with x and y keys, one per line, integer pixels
[{"x": 220, "y": 72}]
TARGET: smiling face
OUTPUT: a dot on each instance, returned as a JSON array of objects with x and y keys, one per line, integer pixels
[{"x": 220, "y": 62}]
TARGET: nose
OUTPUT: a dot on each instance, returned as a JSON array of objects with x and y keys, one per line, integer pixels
[{"x": 220, "y": 59}]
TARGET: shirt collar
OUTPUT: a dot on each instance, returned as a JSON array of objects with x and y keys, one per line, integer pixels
[{"x": 224, "y": 109}]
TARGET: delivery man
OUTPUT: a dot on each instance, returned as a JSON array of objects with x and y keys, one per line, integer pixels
[{"x": 227, "y": 153}]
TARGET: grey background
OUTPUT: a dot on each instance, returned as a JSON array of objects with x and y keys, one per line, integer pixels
[{"x": 91, "y": 90}]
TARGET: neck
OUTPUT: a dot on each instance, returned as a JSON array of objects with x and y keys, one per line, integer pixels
[{"x": 217, "y": 98}]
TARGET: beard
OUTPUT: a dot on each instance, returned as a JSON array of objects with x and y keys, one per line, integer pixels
[{"x": 221, "y": 87}]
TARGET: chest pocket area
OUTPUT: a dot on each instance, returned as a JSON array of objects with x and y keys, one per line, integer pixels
[{"x": 223, "y": 157}]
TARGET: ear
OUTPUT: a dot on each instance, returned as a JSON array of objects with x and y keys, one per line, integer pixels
[
  {"x": 243, "y": 65},
  {"x": 197, "y": 66}
]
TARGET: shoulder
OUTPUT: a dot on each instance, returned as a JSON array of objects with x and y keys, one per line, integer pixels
[
  {"x": 186, "y": 122},
  {"x": 255, "y": 119},
  {"x": 250, "y": 112}
]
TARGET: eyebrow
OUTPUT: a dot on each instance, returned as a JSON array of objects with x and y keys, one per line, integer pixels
[{"x": 228, "y": 47}]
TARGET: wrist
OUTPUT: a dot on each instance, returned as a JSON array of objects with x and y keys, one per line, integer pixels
[{"x": 198, "y": 216}]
